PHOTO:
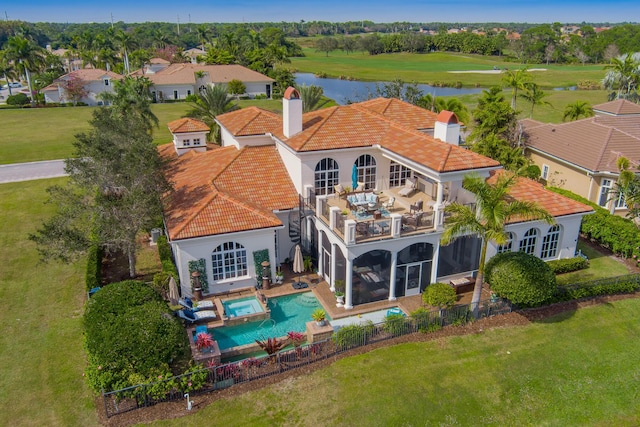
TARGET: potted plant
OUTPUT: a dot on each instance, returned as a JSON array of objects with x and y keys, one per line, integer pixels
[
  {"x": 319, "y": 316},
  {"x": 204, "y": 342},
  {"x": 339, "y": 292},
  {"x": 279, "y": 277}
]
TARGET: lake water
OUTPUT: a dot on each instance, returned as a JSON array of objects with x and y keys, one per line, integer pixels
[{"x": 343, "y": 91}]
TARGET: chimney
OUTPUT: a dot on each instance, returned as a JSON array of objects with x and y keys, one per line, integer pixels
[
  {"x": 291, "y": 112},
  {"x": 447, "y": 128}
]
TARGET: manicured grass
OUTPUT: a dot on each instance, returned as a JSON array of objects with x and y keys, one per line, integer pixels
[
  {"x": 600, "y": 266},
  {"x": 574, "y": 369},
  {"x": 41, "y": 352}
]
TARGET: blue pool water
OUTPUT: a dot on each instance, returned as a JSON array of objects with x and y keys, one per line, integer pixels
[
  {"x": 242, "y": 307},
  {"x": 288, "y": 313}
]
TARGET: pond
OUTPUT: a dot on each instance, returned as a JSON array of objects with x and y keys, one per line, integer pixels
[{"x": 343, "y": 91}]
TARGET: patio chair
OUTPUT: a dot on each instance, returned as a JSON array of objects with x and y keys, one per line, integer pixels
[
  {"x": 339, "y": 190},
  {"x": 191, "y": 316},
  {"x": 409, "y": 187},
  {"x": 362, "y": 228},
  {"x": 186, "y": 302},
  {"x": 412, "y": 221},
  {"x": 389, "y": 203},
  {"x": 417, "y": 207},
  {"x": 360, "y": 187}
]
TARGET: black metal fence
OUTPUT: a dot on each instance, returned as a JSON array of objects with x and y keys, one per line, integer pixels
[{"x": 346, "y": 338}]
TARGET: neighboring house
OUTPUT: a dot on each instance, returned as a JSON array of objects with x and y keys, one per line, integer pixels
[
  {"x": 272, "y": 186},
  {"x": 193, "y": 54},
  {"x": 177, "y": 81},
  {"x": 581, "y": 156},
  {"x": 96, "y": 81}
]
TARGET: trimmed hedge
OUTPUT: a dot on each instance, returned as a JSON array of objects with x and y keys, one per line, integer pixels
[
  {"x": 166, "y": 258},
  {"x": 615, "y": 285},
  {"x": 618, "y": 234},
  {"x": 567, "y": 265},
  {"x": 93, "y": 275}
]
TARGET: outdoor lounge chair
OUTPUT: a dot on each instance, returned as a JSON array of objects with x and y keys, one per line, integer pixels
[
  {"x": 339, "y": 190},
  {"x": 191, "y": 316},
  {"x": 409, "y": 187},
  {"x": 186, "y": 302}
]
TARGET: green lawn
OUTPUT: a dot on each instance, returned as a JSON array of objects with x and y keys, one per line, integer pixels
[
  {"x": 600, "y": 266},
  {"x": 575, "y": 369},
  {"x": 41, "y": 353}
]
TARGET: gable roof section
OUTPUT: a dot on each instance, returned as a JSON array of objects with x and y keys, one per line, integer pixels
[
  {"x": 526, "y": 189},
  {"x": 619, "y": 107},
  {"x": 593, "y": 144},
  {"x": 184, "y": 73},
  {"x": 87, "y": 75},
  {"x": 401, "y": 112},
  {"x": 250, "y": 121},
  {"x": 186, "y": 125},
  {"x": 225, "y": 190}
]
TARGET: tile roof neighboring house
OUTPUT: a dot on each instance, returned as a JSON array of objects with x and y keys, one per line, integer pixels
[
  {"x": 186, "y": 125},
  {"x": 250, "y": 121},
  {"x": 225, "y": 190},
  {"x": 529, "y": 190},
  {"x": 593, "y": 144},
  {"x": 619, "y": 107},
  {"x": 184, "y": 73},
  {"x": 86, "y": 75}
]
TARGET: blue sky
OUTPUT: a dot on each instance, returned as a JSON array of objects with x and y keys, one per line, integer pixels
[{"x": 197, "y": 11}]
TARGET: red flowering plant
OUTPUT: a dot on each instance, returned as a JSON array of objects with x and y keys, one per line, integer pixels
[
  {"x": 296, "y": 338},
  {"x": 203, "y": 340}
]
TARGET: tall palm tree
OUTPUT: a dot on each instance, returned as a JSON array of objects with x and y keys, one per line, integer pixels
[
  {"x": 204, "y": 35},
  {"x": 576, "y": 110},
  {"x": 7, "y": 70},
  {"x": 495, "y": 208},
  {"x": 311, "y": 97},
  {"x": 213, "y": 100},
  {"x": 624, "y": 73},
  {"x": 516, "y": 80},
  {"x": 27, "y": 56},
  {"x": 535, "y": 96},
  {"x": 127, "y": 44},
  {"x": 454, "y": 105}
]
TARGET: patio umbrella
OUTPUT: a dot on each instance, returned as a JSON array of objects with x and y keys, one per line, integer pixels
[
  {"x": 354, "y": 177},
  {"x": 173, "y": 291},
  {"x": 298, "y": 262}
]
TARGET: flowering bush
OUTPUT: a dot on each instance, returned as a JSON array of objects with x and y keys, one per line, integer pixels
[
  {"x": 296, "y": 338},
  {"x": 204, "y": 340}
]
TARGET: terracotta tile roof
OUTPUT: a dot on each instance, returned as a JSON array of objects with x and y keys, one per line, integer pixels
[
  {"x": 593, "y": 144},
  {"x": 158, "y": 61},
  {"x": 250, "y": 121},
  {"x": 529, "y": 190},
  {"x": 186, "y": 125},
  {"x": 401, "y": 112},
  {"x": 86, "y": 75},
  {"x": 619, "y": 107},
  {"x": 225, "y": 190},
  {"x": 185, "y": 74}
]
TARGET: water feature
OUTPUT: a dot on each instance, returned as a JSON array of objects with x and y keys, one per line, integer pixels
[
  {"x": 242, "y": 307},
  {"x": 343, "y": 91},
  {"x": 288, "y": 313}
]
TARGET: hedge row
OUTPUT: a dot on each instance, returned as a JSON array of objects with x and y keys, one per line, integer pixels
[
  {"x": 619, "y": 234},
  {"x": 166, "y": 258},
  {"x": 615, "y": 285},
  {"x": 567, "y": 265},
  {"x": 93, "y": 276}
]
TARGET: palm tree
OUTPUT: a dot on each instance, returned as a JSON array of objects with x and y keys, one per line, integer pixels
[
  {"x": 495, "y": 208},
  {"x": 624, "y": 73},
  {"x": 204, "y": 34},
  {"x": 27, "y": 56},
  {"x": 132, "y": 95},
  {"x": 576, "y": 110},
  {"x": 7, "y": 70},
  {"x": 311, "y": 97},
  {"x": 454, "y": 105},
  {"x": 535, "y": 96},
  {"x": 516, "y": 80},
  {"x": 127, "y": 44},
  {"x": 212, "y": 101}
]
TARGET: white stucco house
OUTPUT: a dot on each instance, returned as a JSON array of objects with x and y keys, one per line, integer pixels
[
  {"x": 278, "y": 181},
  {"x": 177, "y": 81},
  {"x": 96, "y": 81}
]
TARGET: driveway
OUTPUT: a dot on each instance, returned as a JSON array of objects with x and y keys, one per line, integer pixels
[{"x": 28, "y": 171}]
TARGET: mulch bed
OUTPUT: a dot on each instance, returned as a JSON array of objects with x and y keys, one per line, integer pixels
[{"x": 177, "y": 409}]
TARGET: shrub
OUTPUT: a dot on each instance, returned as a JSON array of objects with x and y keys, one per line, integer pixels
[
  {"x": 614, "y": 285},
  {"x": 439, "y": 295},
  {"x": 191, "y": 98},
  {"x": 236, "y": 87},
  {"x": 567, "y": 265},
  {"x": 129, "y": 333},
  {"x": 93, "y": 276},
  {"x": 18, "y": 99},
  {"x": 394, "y": 324},
  {"x": 355, "y": 335},
  {"x": 166, "y": 258},
  {"x": 521, "y": 278}
]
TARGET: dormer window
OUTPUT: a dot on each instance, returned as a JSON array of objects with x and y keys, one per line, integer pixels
[
  {"x": 196, "y": 141},
  {"x": 186, "y": 142}
]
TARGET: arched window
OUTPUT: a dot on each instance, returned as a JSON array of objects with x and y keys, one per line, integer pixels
[
  {"x": 366, "y": 165},
  {"x": 528, "y": 243},
  {"x": 327, "y": 175},
  {"x": 229, "y": 261},
  {"x": 506, "y": 247},
  {"x": 550, "y": 242},
  {"x": 398, "y": 174}
]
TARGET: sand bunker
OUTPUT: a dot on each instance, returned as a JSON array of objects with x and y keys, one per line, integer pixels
[{"x": 491, "y": 71}]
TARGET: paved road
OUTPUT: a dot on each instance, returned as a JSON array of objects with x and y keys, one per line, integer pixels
[{"x": 28, "y": 171}]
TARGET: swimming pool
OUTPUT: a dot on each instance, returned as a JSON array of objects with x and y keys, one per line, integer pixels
[
  {"x": 288, "y": 313},
  {"x": 242, "y": 307}
]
